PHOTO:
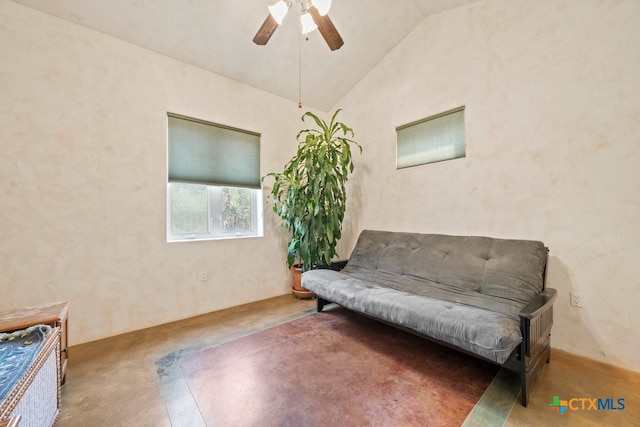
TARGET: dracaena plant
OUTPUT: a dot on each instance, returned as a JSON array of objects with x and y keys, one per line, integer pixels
[{"x": 309, "y": 195}]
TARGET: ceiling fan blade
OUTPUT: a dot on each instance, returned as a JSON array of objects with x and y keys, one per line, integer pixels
[
  {"x": 266, "y": 30},
  {"x": 327, "y": 29}
]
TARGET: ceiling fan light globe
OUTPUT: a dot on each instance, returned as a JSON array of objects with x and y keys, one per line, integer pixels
[
  {"x": 279, "y": 11},
  {"x": 323, "y": 6},
  {"x": 307, "y": 22}
]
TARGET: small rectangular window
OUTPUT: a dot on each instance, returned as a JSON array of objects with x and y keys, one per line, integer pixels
[
  {"x": 434, "y": 139},
  {"x": 213, "y": 181}
]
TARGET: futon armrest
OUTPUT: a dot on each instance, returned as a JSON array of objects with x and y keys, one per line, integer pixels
[
  {"x": 335, "y": 265},
  {"x": 540, "y": 304}
]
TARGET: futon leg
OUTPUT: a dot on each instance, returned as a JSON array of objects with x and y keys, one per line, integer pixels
[
  {"x": 321, "y": 303},
  {"x": 525, "y": 394},
  {"x": 524, "y": 390}
]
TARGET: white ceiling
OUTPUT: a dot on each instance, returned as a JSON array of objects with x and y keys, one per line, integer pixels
[{"x": 217, "y": 35}]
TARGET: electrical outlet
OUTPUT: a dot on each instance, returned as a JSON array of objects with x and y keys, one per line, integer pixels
[
  {"x": 203, "y": 276},
  {"x": 576, "y": 299}
]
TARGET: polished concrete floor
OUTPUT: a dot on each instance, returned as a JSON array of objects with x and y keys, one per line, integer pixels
[{"x": 116, "y": 381}]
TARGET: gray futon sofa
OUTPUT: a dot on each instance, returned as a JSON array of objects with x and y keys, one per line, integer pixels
[{"x": 481, "y": 295}]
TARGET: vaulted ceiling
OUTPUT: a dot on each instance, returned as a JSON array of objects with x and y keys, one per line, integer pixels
[{"x": 217, "y": 35}]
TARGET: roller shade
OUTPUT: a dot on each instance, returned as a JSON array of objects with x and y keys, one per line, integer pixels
[
  {"x": 206, "y": 153},
  {"x": 433, "y": 139}
]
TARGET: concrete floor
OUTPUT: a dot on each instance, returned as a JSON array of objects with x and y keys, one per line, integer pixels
[{"x": 115, "y": 381}]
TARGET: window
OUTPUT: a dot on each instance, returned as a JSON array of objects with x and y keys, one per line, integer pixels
[
  {"x": 213, "y": 184},
  {"x": 434, "y": 139}
]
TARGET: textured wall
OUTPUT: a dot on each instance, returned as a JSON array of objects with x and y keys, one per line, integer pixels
[
  {"x": 552, "y": 100},
  {"x": 83, "y": 180}
]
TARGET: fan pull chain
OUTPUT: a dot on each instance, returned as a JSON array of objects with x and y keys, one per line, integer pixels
[{"x": 299, "y": 71}]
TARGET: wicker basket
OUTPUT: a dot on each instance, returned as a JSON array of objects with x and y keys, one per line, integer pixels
[{"x": 36, "y": 396}]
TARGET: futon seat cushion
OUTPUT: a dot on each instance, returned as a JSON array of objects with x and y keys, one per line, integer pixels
[{"x": 484, "y": 332}]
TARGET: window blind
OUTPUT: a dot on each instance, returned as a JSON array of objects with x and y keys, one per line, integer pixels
[
  {"x": 206, "y": 153},
  {"x": 436, "y": 138}
]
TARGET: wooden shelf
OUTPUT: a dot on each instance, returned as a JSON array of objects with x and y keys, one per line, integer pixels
[{"x": 55, "y": 315}]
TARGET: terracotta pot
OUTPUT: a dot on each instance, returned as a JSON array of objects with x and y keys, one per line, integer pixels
[
  {"x": 298, "y": 290},
  {"x": 296, "y": 272}
]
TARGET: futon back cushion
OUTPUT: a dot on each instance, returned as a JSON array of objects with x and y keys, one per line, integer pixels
[{"x": 471, "y": 265}]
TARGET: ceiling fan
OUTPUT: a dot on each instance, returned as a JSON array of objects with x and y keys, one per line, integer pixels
[{"x": 313, "y": 14}]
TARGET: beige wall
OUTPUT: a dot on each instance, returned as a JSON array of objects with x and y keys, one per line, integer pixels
[
  {"x": 83, "y": 180},
  {"x": 552, "y": 98}
]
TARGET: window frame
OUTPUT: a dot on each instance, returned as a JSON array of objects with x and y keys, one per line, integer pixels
[
  {"x": 256, "y": 217},
  {"x": 214, "y": 188},
  {"x": 428, "y": 141}
]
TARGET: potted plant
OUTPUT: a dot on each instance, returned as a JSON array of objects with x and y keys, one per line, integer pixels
[{"x": 309, "y": 195}]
